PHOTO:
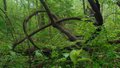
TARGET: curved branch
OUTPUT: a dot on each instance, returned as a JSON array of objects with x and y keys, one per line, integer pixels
[
  {"x": 36, "y": 31},
  {"x": 25, "y": 21},
  {"x": 25, "y": 27}
]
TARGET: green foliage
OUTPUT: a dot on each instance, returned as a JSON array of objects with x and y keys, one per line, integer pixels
[{"x": 102, "y": 55}]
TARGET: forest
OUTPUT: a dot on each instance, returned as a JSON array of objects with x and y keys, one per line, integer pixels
[{"x": 59, "y": 33}]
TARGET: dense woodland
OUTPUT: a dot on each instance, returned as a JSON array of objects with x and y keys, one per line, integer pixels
[{"x": 59, "y": 33}]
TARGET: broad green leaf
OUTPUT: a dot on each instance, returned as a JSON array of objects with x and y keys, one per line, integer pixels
[
  {"x": 74, "y": 55},
  {"x": 66, "y": 55}
]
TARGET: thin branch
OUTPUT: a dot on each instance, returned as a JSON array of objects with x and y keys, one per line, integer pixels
[
  {"x": 114, "y": 42},
  {"x": 25, "y": 27},
  {"x": 36, "y": 31},
  {"x": 4, "y": 12}
]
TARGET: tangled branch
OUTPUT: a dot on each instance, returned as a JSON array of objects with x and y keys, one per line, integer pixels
[{"x": 53, "y": 22}]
